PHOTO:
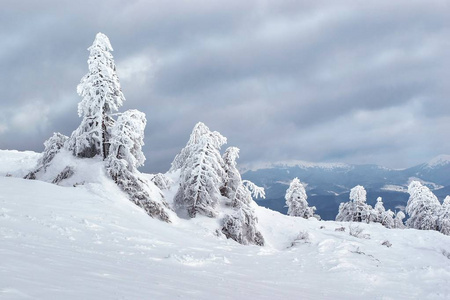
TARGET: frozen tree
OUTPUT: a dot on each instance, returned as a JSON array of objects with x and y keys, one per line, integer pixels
[
  {"x": 383, "y": 216},
  {"x": 241, "y": 224},
  {"x": 398, "y": 220},
  {"x": 356, "y": 210},
  {"x": 444, "y": 217},
  {"x": 199, "y": 133},
  {"x": 202, "y": 173},
  {"x": 125, "y": 155},
  {"x": 233, "y": 177},
  {"x": 52, "y": 146},
  {"x": 422, "y": 207},
  {"x": 127, "y": 138},
  {"x": 296, "y": 200},
  {"x": 101, "y": 96}
]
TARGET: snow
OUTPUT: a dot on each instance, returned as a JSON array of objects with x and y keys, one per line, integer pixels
[
  {"x": 395, "y": 188},
  {"x": 17, "y": 163},
  {"x": 439, "y": 161},
  {"x": 91, "y": 242},
  {"x": 293, "y": 163}
]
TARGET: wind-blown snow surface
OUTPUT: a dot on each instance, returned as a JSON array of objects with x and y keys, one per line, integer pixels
[{"x": 90, "y": 242}]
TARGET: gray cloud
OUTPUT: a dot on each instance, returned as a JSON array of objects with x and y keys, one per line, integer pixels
[{"x": 323, "y": 81}]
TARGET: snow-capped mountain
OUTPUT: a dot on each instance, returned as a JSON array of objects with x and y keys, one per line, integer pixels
[
  {"x": 90, "y": 242},
  {"x": 329, "y": 184}
]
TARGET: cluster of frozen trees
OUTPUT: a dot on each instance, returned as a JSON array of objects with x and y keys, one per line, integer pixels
[
  {"x": 104, "y": 132},
  {"x": 211, "y": 185},
  {"x": 424, "y": 210},
  {"x": 296, "y": 201},
  {"x": 357, "y": 210}
]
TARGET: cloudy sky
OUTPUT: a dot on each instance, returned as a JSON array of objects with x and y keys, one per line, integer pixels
[{"x": 332, "y": 81}]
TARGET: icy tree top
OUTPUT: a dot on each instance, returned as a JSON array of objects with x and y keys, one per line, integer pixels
[
  {"x": 101, "y": 41},
  {"x": 358, "y": 194}
]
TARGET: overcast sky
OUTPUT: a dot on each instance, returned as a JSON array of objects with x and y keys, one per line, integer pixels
[{"x": 320, "y": 81}]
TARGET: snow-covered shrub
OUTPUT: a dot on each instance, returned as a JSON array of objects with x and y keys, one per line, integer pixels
[
  {"x": 64, "y": 174},
  {"x": 443, "y": 222},
  {"x": 296, "y": 200},
  {"x": 241, "y": 227},
  {"x": 356, "y": 210},
  {"x": 162, "y": 181},
  {"x": 202, "y": 173},
  {"x": 386, "y": 243},
  {"x": 302, "y": 238},
  {"x": 101, "y": 96},
  {"x": 398, "y": 220},
  {"x": 357, "y": 232},
  {"x": 422, "y": 207},
  {"x": 52, "y": 146}
]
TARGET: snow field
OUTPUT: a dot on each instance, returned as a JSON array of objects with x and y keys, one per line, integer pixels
[{"x": 91, "y": 242}]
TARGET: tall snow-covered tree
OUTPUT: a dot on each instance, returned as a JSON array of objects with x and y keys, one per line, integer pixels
[
  {"x": 101, "y": 96},
  {"x": 356, "y": 210},
  {"x": 444, "y": 217},
  {"x": 296, "y": 200},
  {"x": 422, "y": 207},
  {"x": 125, "y": 155},
  {"x": 202, "y": 173}
]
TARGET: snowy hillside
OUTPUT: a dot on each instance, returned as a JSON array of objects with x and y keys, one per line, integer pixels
[{"x": 91, "y": 242}]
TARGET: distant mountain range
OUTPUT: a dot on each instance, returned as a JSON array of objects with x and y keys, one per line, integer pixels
[{"x": 327, "y": 185}]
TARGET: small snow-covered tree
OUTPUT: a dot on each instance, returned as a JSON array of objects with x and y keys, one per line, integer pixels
[
  {"x": 233, "y": 177},
  {"x": 52, "y": 146},
  {"x": 127, "y": 138},
  {"x": 101, "y": 96},
  {"x": 383, "y": 216},
  {"x": 296, "y": 200},
  {"x": 444, "y": 217},
  {"x": 422, "y": 207},
  {"x": 398, "y": 220},
  {"x": 125, "y": 155},
  {"x": 241, "y": 224},
  {"x": 202, "y": 173},
  {"x": 356, "y": 210}
]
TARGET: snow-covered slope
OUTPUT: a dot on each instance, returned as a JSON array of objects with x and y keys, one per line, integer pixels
[{"x": 91, "y": 242}]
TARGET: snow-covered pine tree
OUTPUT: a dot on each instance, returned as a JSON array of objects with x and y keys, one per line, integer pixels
[
  {"x": 240, "y": 225},
  {"x": 383, "y": 216},
  {"x": 422, "y": 207},
  {"x": 444, "y": 217},
  {"x": 52, "y": 146},
  {"x": 202, "y": 173},
  {"x": 125, "y": 155},
  {"x": 101, "y": 96},
  {"x": 296, "y": 200},
  {"x": 356, "y": 210}
]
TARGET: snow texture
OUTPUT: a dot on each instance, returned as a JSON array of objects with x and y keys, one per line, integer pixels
[{"x": 90, "y": 242}]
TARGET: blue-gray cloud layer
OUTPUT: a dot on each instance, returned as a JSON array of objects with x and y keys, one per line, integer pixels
[{"x": 343, "y": 81}]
